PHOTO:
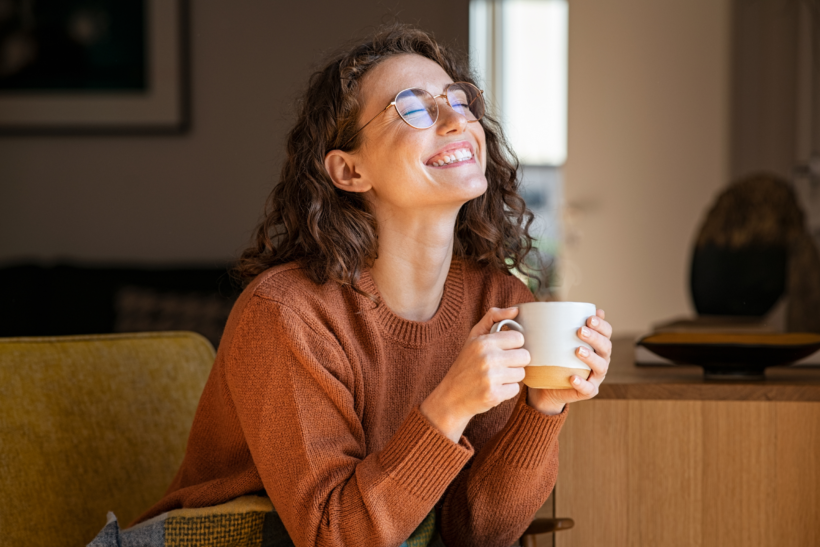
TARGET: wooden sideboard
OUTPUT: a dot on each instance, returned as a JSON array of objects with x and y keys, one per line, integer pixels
[{"x": 663, "y": 458}]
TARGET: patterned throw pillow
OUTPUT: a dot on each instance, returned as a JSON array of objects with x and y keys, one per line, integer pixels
[{"x": 249, "y": 521}]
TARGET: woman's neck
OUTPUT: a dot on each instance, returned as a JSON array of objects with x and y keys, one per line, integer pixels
[{"x": 414, "y": 260}]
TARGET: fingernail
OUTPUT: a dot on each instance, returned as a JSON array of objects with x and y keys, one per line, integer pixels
[
  {"x": 583, "y": 351},
  {"x": 576, "y": 380},
  {"x": 584, "y": 332},
  {"x": 594, "y": 321}
]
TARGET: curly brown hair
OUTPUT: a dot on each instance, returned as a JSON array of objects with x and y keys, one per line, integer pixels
[{"x": 331, "y": 233}]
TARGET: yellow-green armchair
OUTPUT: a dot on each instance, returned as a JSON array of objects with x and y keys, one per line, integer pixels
[{"x": 91, "y": 424}]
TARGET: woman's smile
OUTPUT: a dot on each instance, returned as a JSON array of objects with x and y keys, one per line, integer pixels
[{"x": 452, "y": 155}]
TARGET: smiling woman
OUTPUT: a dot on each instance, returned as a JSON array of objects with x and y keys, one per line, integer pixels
[
  {"x": 491, "y": 229},
  {"x": 358, "y": 384}
]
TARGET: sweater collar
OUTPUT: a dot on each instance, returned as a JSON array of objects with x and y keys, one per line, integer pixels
[{"x": 416, "y": 333}]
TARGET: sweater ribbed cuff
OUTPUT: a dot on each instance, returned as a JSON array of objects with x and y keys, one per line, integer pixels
[
  {"x": 422, "y": 458},
  {"x": 529, "y": 435}
]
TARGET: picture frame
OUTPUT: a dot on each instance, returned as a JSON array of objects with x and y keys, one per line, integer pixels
[{"x": 158, "y": 102}]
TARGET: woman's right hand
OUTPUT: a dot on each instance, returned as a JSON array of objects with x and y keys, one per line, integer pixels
[{"x": 486, "y": 373}]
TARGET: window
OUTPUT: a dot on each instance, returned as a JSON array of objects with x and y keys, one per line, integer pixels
[{"x": 519, "y": 49}]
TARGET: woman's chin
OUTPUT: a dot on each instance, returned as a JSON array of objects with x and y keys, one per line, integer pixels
[{"x": 474, "y": 186}]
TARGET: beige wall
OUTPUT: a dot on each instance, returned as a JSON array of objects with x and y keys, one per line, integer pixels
[
  {"x": 648, "y": 148},
  {"x": 192, "y": 198}
]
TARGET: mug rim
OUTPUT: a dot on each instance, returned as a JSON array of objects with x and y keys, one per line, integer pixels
[{"x": 564, "y": 303}]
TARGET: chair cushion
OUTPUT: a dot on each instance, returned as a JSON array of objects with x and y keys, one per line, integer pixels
[{"x": 249, "y": 521}]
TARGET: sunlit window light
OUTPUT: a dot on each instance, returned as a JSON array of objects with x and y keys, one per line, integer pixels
[{"x": 519, "y": 48}]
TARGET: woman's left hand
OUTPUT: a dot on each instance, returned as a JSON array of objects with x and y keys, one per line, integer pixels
[{"x": 596, "y": 333}]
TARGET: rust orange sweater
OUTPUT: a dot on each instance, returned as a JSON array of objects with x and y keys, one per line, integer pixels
[{"x": 314, "y": 399}]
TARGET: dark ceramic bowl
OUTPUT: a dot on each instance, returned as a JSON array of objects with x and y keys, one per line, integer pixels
[{"x": 732, "y": 356}]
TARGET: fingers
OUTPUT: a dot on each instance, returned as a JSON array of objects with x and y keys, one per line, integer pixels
[
  {"x": 512, "y": 375},
  {"x": 515, "y": 358},
  {"x": 500, "y": 361},
  {"x": 585, "y": 388},
  {"x": 493, "y": 315},
  {"x": 597, "y": 334},
  {"x": 500, "y": 385},
  {"x": 598, "y": 323},
  {"x": 508, "y": 391},
  {"x": 505, "y": 339},
  {"x": 596, "y": 363},
  {"x": 600, "y": 343}
]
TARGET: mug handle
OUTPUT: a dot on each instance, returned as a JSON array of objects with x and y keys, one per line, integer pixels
[{"x": 509, "y": 323}]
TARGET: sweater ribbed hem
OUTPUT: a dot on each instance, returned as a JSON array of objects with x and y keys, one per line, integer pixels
[
  {"x": 538, "y": 431},
  {"x": 415, "y": 333},
  {"x": 422, "y": 458}
]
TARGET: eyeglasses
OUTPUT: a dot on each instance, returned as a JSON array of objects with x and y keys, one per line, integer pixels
[{"x": 419, "y": 108}]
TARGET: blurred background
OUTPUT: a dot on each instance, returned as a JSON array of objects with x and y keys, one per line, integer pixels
[{"x": 139, "y": 139}]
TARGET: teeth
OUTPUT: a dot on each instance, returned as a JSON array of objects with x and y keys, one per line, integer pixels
[{"x": 454, "y": 156}]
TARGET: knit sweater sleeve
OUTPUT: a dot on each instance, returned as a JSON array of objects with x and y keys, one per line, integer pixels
[
  {"x": 294, "y": 393},
  {"x": 493, "y": 501}
]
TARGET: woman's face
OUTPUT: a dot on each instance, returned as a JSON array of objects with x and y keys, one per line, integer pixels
[{"x": 399, "y": 162}]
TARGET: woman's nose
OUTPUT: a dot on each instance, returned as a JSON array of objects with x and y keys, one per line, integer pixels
[{"x": 449, "y": 120}]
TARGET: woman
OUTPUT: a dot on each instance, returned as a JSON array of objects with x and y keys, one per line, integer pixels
[{"x": 357, "y": 382}]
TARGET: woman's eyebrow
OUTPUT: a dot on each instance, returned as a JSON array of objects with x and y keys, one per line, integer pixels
[{"x": 424, "y": 88}]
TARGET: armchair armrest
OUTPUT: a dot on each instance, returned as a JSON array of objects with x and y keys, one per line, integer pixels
[{"x": 544, "y": 526}]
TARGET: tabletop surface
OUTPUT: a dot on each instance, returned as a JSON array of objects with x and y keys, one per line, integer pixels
[{"x": 625, "y": 380}]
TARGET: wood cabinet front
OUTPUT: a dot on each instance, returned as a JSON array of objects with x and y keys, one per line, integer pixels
[{"x": 680, "y": 472}]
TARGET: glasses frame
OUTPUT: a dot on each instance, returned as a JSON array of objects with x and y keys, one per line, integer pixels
[{"x": 435, "y": 101}]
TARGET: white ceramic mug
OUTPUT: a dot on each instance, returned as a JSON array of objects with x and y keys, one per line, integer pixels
[{"x": 550, "y": 332}]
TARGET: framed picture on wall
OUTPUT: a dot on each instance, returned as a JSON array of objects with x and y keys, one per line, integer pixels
[{"x": 93, "y": 67}]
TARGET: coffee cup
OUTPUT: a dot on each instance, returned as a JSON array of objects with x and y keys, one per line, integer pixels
[{"x": 550, "y": 332}]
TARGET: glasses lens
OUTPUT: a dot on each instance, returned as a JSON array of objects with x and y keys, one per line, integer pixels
[
  {"x": 466, "y": 99},
  {"x": 417, "y": 107}
]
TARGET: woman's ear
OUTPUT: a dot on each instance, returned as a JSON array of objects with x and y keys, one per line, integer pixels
[{"x": 343, "y": 170}]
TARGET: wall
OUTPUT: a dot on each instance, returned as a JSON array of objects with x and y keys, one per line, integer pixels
[
  {"x": 776, "y": 95},
  {"x": 648, "y": 145},
  {"x": 648, "y": 148},
  {"x": 764, "y": 87},
  {"x": 193, "y": 198}
]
